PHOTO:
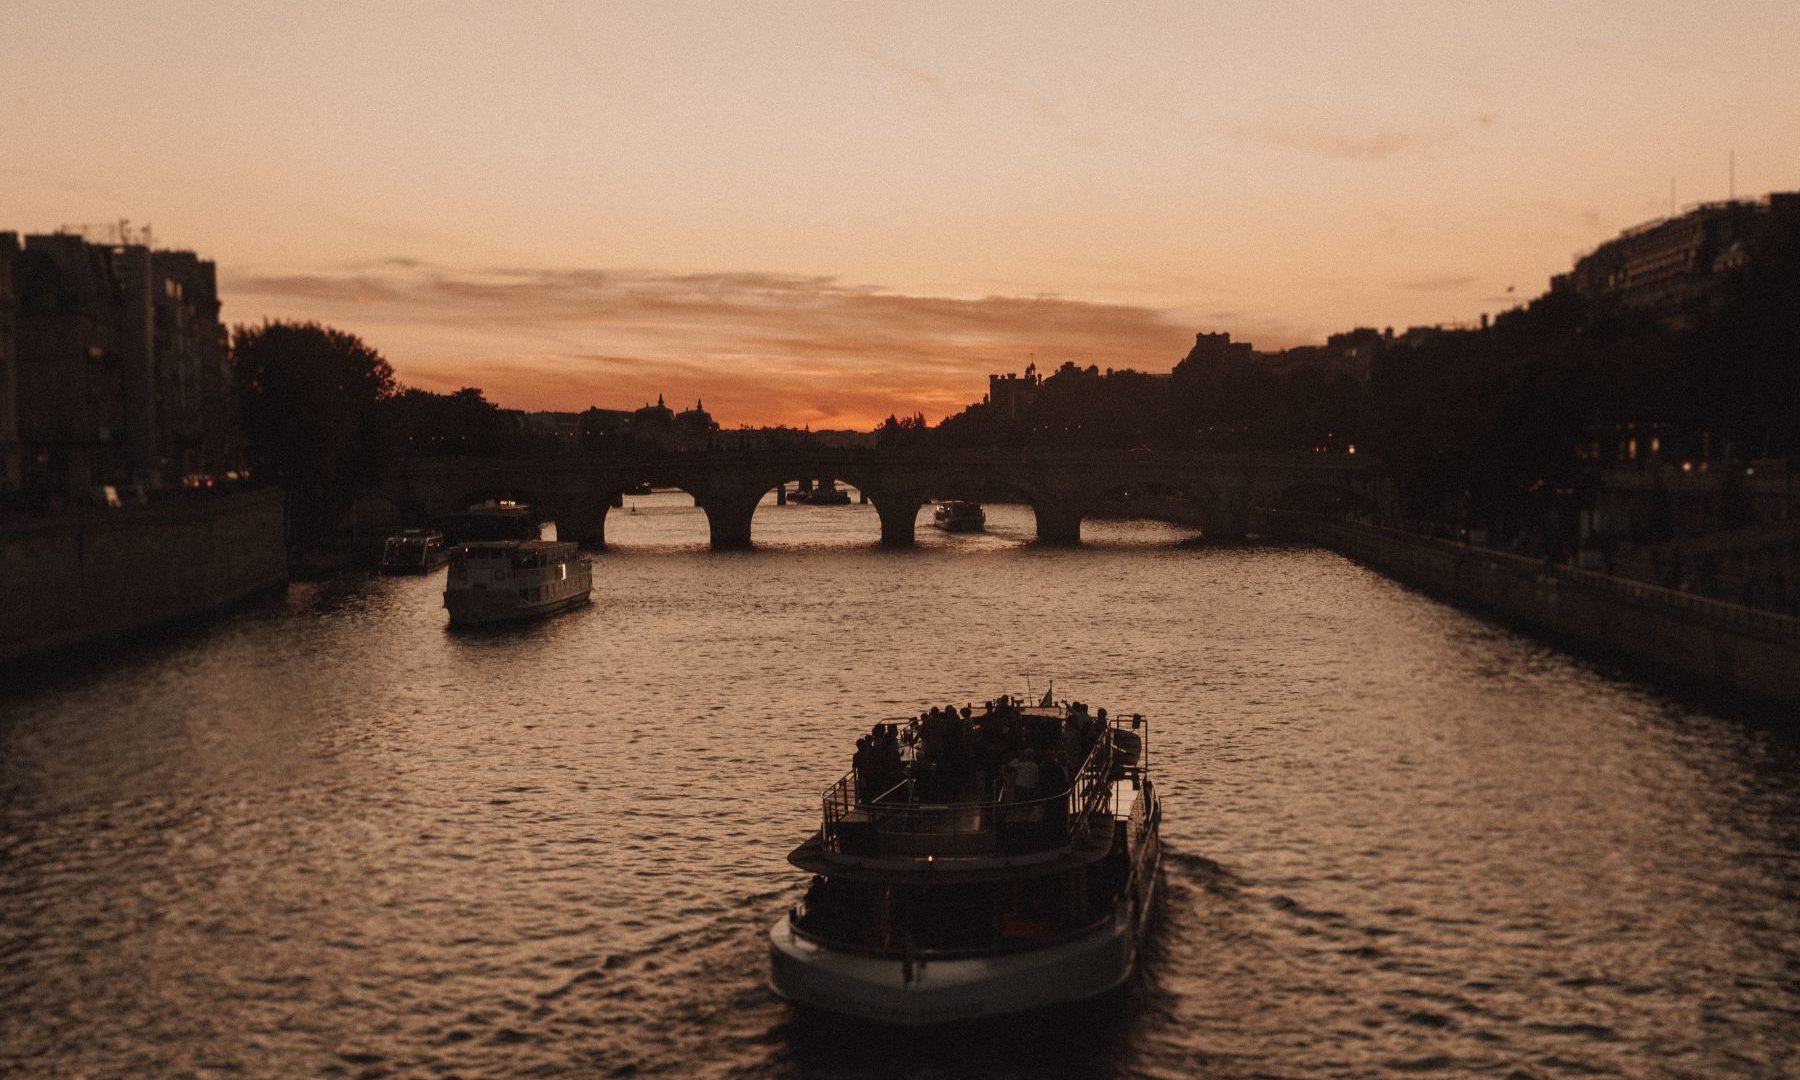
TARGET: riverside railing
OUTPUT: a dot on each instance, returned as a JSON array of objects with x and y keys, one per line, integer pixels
[
  {"x": 1720, "y": 613},
  {"x": 893, "y": 824}
]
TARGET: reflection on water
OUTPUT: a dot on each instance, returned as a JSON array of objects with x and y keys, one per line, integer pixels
[{"x": 324, "y": 836}]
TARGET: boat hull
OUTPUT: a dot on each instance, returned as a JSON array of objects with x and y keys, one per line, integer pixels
[
  {"x": 940, "y": 991},
  {"x": 482, "y": 608},
  {"x": 932, "y": 990}
]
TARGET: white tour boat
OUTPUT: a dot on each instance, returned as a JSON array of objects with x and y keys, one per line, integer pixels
[
  {"x": 952, "y": 885},
  {"x": 502, "y": 580}
]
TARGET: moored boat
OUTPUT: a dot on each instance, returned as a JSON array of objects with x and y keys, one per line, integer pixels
[
  {"x": 413, "y": 551},
  {"x": 504, "y": 580},
  {"x": 956, "y": 515},
  {"x": 979, "y": 864},
  {"x": 826, "y": 494}
]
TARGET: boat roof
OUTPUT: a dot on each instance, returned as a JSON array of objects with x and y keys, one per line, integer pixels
[{"x": 494, "y": 508}]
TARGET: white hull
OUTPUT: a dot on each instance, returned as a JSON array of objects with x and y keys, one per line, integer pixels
[
  {"x": 937, "y": 991},
  {"x": 475, "y": 608}
]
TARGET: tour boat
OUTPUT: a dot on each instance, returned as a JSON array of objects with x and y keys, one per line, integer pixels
[
  {"x": 946, "y": 888},
  {"x": 497, "y": 581},
  {"x": 413, "y": 551},
  {"x": 959, "y": 516}
]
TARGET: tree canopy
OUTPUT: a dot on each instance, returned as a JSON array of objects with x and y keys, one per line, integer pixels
[{"x": 309, "y": 398}]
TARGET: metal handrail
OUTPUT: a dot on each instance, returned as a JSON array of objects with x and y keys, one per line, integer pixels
[
  {"x": 1720, "y": 612},
  {"x": 1089, "y": 792}
]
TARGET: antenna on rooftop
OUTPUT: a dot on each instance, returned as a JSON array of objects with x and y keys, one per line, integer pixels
[
  {"x": 1731, "y": 174},
  {"x": 1671, "y": 196}
]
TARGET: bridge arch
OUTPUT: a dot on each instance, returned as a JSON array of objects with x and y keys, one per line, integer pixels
[
  {"x": 1179, "y": 502},
  {"x": 858, "y": 488},
  {"x": 374, "y": 514},
  {"x": 496, "y": 492},
  {"x": 731, "y": 506},
  {"x": 1321, "y": 498}
]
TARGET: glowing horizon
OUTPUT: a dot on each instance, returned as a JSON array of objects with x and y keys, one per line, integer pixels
[{"x": 815, "y": 214}]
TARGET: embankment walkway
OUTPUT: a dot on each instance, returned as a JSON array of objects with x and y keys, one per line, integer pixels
[{"x": 1722, "y": 645}]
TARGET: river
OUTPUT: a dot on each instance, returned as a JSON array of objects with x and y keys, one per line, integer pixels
[{"x": 326, "y": 837}]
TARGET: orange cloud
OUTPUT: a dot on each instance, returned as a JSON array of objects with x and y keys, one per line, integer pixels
[{"x": 758, "y": 348}]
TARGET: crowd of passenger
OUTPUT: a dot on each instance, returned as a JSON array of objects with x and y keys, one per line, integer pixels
[{"x": 1001, "y": 752}]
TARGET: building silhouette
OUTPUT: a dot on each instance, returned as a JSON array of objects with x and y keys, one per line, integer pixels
[
  {"x": 11, "y": 474},
  {"x": 1011, "y": 395},
  {"x": 694, "y": 428},
  {"x": 114, "y": 367},
  {"x": 1666, "y": 264}
]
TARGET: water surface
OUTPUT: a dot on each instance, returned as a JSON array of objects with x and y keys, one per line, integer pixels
[{"x": 325, "y": 836}]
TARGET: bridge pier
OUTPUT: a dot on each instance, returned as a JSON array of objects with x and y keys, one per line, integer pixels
[
  {"x": 1227, "y": 525},
  {"x": 728, "y": 517},
  {"x": 1058, "y": 523},
  {"x": 1228, "y": 519},
  {"x": 899, "y": 514},
  {"x": 586, "y": 526}
]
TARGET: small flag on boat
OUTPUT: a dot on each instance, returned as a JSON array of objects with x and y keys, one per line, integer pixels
[{"x": 1048, "y": 700}]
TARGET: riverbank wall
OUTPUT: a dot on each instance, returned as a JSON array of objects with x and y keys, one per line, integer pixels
[
  {"x": 94, "y": 574},
  {"x": 1721, "y": 646}
]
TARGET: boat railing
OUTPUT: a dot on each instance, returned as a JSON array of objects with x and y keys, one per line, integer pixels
[
  {"x": 999, "y": 947},
  {"x": 896, "y": 823}
]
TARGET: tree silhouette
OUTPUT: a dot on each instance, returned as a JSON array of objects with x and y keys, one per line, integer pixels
[{"x": 310, "y": 398}]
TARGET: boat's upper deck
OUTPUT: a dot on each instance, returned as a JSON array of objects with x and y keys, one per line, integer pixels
[
  {"x": 1008, "y": 787},
  {"x": 517, "y": 553},
  {"x": 414, "y": 539}
]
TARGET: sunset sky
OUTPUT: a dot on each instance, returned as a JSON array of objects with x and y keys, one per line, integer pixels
[{"x": 824, "y": 213}]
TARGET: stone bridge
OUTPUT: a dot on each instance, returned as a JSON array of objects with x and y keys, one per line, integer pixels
[{"x": 1060, "y": 486}]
